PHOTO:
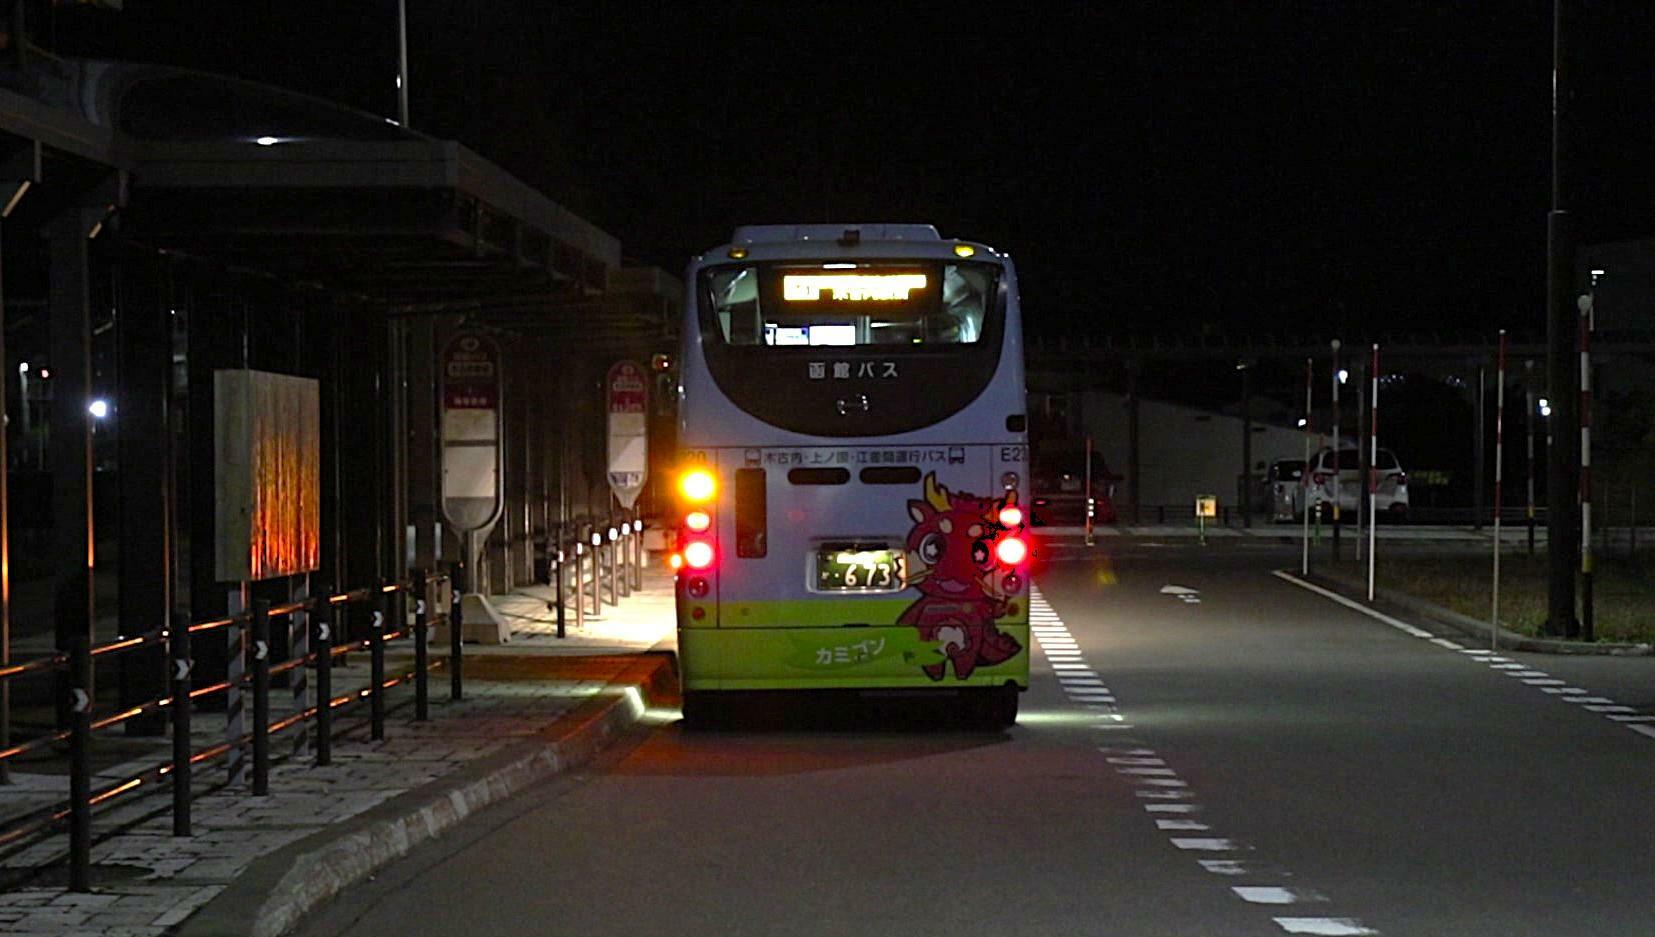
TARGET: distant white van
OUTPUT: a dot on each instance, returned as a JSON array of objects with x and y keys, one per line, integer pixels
[{"x": 1390, "y": 493}]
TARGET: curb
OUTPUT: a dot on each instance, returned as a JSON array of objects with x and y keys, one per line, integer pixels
[
  {"x": 1471, "y": 627},
  {"x": 287, "y": 884}
]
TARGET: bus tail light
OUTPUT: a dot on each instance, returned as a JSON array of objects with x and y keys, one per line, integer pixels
[
  {"x": 1011, "y": 551},
  {"x": 1011, "y": 516},
  {"x": 698, "y": 554},
  {"x": 698, "y": 521}
]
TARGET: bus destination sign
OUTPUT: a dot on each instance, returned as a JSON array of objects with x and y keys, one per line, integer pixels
[{"x": 851, "y": 287}]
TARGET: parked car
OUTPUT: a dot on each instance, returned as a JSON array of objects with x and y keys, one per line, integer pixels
[
  {"x": 1059, "y": 490},
  {"x": 1390, "y": 493},
  {"x": 1283, "y": 481}
]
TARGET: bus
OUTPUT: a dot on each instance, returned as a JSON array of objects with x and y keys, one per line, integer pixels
[{"x": 854, "y": 469}]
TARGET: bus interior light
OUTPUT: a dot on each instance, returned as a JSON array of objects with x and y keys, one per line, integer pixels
[
  {"x": 698, "y": 521},
  {"x": 698, "y": 554},
  {"x": 698, "y": 485},
  {"x": 1011, "y": 551}
]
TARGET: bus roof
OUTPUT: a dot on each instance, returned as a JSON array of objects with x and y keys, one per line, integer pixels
[{"x": 787, "y": 233}]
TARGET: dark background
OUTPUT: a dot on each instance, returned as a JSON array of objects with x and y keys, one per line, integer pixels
[{"x": 1330, "y": 167}]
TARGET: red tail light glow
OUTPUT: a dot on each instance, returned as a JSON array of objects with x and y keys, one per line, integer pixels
[
  {"x": 698, "y": 554},
  {"x": 1011, "y": 551}
]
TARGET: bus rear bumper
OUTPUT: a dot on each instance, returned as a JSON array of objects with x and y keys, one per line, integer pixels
[{"x": 864, "y": 658}]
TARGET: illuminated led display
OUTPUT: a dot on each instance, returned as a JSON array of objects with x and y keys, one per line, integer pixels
[{"x": 851, "y": 287}]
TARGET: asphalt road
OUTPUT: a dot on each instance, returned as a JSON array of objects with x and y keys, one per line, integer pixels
[{"x": 1244, "y": 758}]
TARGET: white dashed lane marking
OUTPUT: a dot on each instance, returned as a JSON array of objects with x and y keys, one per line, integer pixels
[
  {"x": 1326, "y": 926},
  {"x": 1166, "y": 797},
  {"x": 1181, "y": 825},
  {"x": 1539, "y": 679},
  {"x": 1270, "y": 894}
]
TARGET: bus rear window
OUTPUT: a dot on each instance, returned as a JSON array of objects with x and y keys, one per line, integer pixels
[{"x": 849, "y": 304}]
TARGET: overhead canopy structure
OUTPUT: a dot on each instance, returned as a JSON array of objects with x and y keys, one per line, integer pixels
[{"x": 261, "y": 178}]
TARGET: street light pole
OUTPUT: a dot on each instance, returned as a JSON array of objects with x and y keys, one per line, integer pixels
[
  {"x": 1246, "y": 444},
  {"x": 1562, "y": 483},
  {"x": 1528, "y": 429},
  {"x": 1335, "y": 346},
  {"x": 402, "y": 62}
]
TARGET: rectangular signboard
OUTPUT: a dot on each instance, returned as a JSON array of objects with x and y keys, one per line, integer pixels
[{"x": 267, "y": 444}]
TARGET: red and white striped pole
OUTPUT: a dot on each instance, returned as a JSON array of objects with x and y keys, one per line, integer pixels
[
  {"x": 1304, "y": 474},
  {"x": 1586, "y": 615},
  {"x": 1499, "y": 476},
  {"x": 1373, "y": 461}
]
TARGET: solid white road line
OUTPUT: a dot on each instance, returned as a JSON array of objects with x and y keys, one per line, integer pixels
[{"x": 1353, "y": 604}]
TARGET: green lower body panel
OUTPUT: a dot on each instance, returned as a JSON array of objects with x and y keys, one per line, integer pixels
[{"x": 893, "y": 656}]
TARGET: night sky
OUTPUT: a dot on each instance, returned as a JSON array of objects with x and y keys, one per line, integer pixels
[{"x": 1330, "y": 167}]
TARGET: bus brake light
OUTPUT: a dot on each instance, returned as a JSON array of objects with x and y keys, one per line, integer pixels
[
  {"x": 1011, "y": 551},
  {"x": 698, "y": 554}
]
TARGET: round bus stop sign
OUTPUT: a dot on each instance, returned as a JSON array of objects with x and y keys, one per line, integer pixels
[{"x": 627, "y": 390}]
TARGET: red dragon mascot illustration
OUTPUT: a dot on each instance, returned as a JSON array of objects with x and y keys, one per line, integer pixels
[{"x": 953, "y": 536}]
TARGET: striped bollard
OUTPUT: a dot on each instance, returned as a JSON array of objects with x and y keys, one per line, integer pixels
[
  {"x": 298, "y": 642},
  {"x": 235, "y": 674}
]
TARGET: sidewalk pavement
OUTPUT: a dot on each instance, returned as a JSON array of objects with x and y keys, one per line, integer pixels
[{"x": 533, "y": 708}]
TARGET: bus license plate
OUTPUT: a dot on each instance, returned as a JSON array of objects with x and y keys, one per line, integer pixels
[{"x": 858, "y": 568}]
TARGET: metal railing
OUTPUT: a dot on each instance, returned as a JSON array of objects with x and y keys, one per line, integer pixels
[
  {"x": 330, "y": 635},
  {"x": 590, "y": 565}
]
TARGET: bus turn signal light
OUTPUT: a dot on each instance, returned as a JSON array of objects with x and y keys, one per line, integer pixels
[
  {"x": 1011, "y": 516},
  {"x": 698, "y": 485},
  {"x": 698, "y": 554},
  {"x": 698, "y": 521},
  {"x": 1011, "y": 551}
]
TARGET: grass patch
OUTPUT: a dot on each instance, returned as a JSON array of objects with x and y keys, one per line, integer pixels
[{"x": 1623, "y": 589}]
